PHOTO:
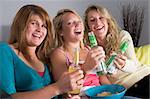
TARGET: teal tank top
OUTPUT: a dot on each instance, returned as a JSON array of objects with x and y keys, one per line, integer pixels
[{"x": 16, "y": 76}]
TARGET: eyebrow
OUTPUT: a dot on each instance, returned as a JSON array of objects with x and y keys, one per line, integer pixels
[
  {"x": 91, "y": 17},
  {"x": 33, "y": 20}
]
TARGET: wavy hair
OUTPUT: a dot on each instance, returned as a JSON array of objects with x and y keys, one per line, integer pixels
[{"x": 113, "y": 37}]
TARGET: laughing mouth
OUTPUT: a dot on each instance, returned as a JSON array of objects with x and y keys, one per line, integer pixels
[
  {"x": 36, "y": 35},
  {"x": 100, "y": 28},
  {"x": 77, "y": 32}
]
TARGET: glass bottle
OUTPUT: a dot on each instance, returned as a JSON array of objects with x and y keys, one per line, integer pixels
[
  {"x": 74, "y": 67},
  {"x": 101, "y": 69},
  {"x": 112, "y": 69}
]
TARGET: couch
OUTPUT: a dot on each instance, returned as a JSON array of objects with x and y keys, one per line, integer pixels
[{"x": 143, "y": 54}]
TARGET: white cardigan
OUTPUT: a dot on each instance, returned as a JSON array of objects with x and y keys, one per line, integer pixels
[{"x": 133, "y": 71}]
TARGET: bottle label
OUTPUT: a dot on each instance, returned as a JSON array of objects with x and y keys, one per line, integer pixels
[
  {"x": 92, "y": 39},
  {"x": 112, "y": 69},
  {"x": 124, "y": 46}
]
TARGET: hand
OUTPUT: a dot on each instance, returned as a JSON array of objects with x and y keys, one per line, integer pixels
[
  {"x": 120, "y": 61},
  {"x": 70, "y": 81},
  {"x": 94, "y": 56}
]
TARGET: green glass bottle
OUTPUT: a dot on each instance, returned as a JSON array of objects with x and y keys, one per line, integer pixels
[
  {"x": 111, "y": 66},
  {"x": 101, "y": 69}
]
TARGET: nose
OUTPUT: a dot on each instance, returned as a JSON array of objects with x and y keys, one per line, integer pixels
[
  {"x": 39, "y": 28},
  {"x": 78, "y": 23},
  {"x": 98, "y": 22}
]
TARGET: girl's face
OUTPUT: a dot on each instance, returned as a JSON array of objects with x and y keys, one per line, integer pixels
[
  {"x": 72, "y": 28},
  {"x": 36, "y": 31},
  {"x": 97, "y": 23}
]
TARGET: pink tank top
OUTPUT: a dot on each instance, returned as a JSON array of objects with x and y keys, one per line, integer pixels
[{"x": 90, "y": 79}]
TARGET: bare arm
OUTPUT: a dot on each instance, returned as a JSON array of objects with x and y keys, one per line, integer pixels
[
  {"x": 45, "y": 93},
  {"x": 104, "y": 80},
  {"x": 58, "y": 62},
  {"x": 66, "y": 82}
]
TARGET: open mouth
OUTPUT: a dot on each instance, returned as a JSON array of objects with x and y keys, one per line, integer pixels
[
  {"x": 78, "y": 32},
  {"x": 100, "y": 28},
  {"x": 36, "y": 35}
]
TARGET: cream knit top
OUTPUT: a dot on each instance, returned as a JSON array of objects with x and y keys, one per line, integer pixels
[{"x": 133, "y": 71}]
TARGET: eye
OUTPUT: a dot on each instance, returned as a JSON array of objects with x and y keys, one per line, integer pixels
[
  {"x": 44, "y": 26},
  {"x": 69, "y": 23},
  {"x": 101, "y": 18},
  {"x": 92, "y": 19},
  {"x": 33, "y": 23}
]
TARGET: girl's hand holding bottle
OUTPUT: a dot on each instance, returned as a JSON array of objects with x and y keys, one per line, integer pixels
[
  {"x": 93, "y": 58},
  {"x": 120, "y": 61},
  {"x": 70, "y": 81},
  {"x": 117, "y": 59}
]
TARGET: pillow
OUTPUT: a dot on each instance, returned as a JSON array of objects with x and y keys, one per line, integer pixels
[{"x": 143, "y": 54}]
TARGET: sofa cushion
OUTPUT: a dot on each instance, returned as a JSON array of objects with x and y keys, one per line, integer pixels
[{"x": 143, "y": 54}]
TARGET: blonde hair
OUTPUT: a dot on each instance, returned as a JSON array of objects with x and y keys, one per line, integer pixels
[
  {"x": 113, "y": 38},
  {"x": 57, "y": 22},
  {"x": 19, "y": 27}
]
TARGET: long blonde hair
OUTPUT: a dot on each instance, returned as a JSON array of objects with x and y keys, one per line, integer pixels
[
  {"x": 113, "y": 38},
  {"x": 57, "y": 22},
  {"x": 19, "y": 27}
]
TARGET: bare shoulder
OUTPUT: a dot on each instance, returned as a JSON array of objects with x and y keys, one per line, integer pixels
[
  {"x": 58, "y": 63},
  {"x": 57, "y": 56},
  {"x": 57, "y": 52}
]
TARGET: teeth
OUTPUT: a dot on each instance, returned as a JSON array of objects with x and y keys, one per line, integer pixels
[
  {"x": 78, "y": 31},
  {"x": 99, "y": 27},
  {"x": 36, "y": 35}
]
